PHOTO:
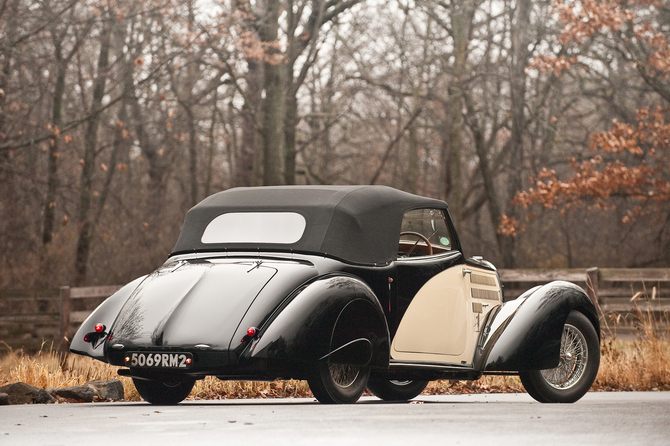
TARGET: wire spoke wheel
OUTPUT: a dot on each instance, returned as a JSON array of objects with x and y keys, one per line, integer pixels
[
  {"x": 574, "y": 357},
  {"x": 337, "y": 383},
  {"x": 344, "y": 375},
  {"x": 577, "y": 365},
  {"x": 396, "y": 390}
]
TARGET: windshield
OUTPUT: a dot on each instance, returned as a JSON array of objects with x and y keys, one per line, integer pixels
[{"x": 431, "y": 224}]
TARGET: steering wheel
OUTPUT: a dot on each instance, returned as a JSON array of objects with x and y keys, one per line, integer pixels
[{"x": 419, "y": 238}]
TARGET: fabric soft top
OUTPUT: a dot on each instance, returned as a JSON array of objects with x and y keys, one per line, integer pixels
[{"x": 359, "y": 224}]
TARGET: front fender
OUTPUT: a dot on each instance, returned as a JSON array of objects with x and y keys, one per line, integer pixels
[
  {"x": 105, "y": 314},
  {"x": 525, "y": 334},
  {"x": 334, "y": 318}
]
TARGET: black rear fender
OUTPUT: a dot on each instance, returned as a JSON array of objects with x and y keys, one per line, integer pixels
[
  {"x": 105, "y": 314},
  {"x": 335, "y": 318},
  {"x": 525, "y": 334}
]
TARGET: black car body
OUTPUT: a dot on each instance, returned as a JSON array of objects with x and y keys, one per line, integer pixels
[{"x": 346, "y": 286}]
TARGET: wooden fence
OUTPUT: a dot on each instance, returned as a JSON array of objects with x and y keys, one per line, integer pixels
[
  {"x": 27, "y": 318},
  {"x": 620, "y": 294},
  {"x": 612, "y": 288},
  {"x": 72, "y": 313}
]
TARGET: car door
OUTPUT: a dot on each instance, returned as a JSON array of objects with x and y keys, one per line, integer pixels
[{"x": 439, "y": 312}]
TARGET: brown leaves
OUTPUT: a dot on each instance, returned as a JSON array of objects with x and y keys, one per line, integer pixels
[
  {"x": 595, "y": 181},
  {"x": 551, "y": 63},
  {"x": 659, "y": 60},
  {"x": 254, "y": 49},
  {"x": 510, "y": 226},
  {"x": 583, "y": 18}
]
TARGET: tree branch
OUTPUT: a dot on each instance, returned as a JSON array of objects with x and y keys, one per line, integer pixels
[{"x": 395, "y": 141}]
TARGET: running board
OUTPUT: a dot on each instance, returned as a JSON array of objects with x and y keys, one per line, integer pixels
[{"x": 433, "y": 371}]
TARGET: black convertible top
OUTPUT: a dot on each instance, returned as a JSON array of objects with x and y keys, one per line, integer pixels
[{"x": 359, "y": 224}]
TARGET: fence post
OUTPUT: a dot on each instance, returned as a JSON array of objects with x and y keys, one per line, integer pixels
[
  {"x": 64, "y": 319},
  {"x": 592, "y": 287}
]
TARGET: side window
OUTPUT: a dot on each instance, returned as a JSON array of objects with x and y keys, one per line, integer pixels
[{"x": 424, "y": 232}]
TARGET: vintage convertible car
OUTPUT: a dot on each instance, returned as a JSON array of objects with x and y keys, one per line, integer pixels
[{"x": 347, "y": 287}]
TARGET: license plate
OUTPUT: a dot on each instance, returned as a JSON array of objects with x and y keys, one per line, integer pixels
[{"x": 159, "y": 360}]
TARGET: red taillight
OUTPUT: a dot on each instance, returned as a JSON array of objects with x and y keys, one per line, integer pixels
[
  {"x": 251, "y": 331},
  {"x": 99, "y": 328}
]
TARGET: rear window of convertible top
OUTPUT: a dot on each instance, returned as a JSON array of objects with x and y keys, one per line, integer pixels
[{"x": 255, "y": 227}]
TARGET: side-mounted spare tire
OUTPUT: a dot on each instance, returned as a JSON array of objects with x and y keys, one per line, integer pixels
[{"x": 577, "y": 369}]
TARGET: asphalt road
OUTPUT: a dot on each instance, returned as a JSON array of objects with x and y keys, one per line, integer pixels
[{"x": 511, "y": 419}]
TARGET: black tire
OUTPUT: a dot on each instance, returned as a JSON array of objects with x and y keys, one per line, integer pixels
[
  {"x": 391, "y": 390},
  {"x": 578, "y": 367},
  {"x": 337, "y": 383},
  {"x": 165, "y": 394}
]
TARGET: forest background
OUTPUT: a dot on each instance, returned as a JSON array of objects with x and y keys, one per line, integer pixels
[{"x": 544, "y": 124}]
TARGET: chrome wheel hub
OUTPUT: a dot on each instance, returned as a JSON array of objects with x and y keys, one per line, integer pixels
[{"x": 572, "y": 364}]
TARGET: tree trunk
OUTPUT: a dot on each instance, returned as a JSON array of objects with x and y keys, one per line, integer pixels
[
  {"x": 90, "y": 151},
  {"x": 412, "y": 178},
  {"x": 157, "y": 165},
  {"x": 192, "y": 154},
  {"x": 290, "y": 123},
  {"x": 489, "y": 188},
  {"x": 212, "y": 145},
  {"x": 459, "y": 26},
  {"x": 250, "y": 144},
  {"x": 6, "y": 59},
  {"x": 52, "y": 163},
  {"x": 520, "y": 33},
  {"x": 273, "y": 104}
]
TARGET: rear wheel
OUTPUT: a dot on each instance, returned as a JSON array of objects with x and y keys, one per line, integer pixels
[
  {"x": 392, "y": 390},
  {"x": 338, "y": 383},
  {"x": 162, "y": 393},
  {"x": 577, "y": 368}
]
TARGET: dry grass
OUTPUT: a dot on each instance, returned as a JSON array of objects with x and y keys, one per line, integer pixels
[
  {"x": 212, "y": 388},
  {"x": 48, "y": 369},
  {"x": 487, "y": 384},
  {"x": 643, "y": 364}
]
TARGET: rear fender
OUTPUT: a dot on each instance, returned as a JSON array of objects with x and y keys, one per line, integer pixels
[
  {"x": 105, "y": 314},
  {"x": 332, "y": 318},
  {"x": 525, "y": 334}
]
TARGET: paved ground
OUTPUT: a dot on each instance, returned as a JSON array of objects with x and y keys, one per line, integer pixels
[{"x": 512, "y": 419}]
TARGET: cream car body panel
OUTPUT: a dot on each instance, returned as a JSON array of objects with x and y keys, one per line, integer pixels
[{"x": 442, "y": 323}]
